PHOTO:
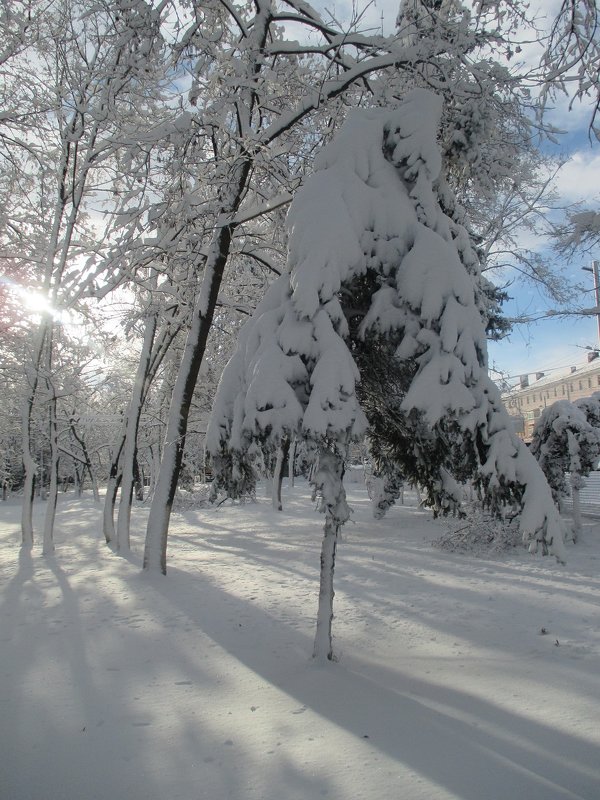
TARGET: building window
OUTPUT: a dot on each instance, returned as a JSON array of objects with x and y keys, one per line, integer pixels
[
  {"x": 589, "y": 383},
  {"x": 534, "y": 398},
  {"x": 555, "y": 391},
  {"x": 580, "y": 385}
]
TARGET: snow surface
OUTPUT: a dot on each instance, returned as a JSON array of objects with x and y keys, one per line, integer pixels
[{"x": 199, "y": 685}]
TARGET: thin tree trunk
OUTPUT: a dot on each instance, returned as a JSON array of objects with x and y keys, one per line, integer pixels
[
  {"x": 116, "y": 472},
  {"x": 110, "y": 501},
  {"x": 269, "y": 490},
  {"x": 154, "y": 467},
  {"x": 88, "y": 464},
  {"x": 328, "y": 482},
  {"x": 29, "y": 480},
  {"x": 48, "y": 541},
  {"x": 112, "y": 487},
  {"x": 95, "y": 490},
  {"x": 30, "y": 467},
  {"x": 282, "y": 452},
  {"x": 138, "y": 481},
  {"x": 155, "y": 554},
  {"x": 155, "y": 551},
  {"x": 292, "y": 462},
  {"x": 575, "y": 481},
  {"x": 132, "y": 424},
  {"x": 323, "y": 647}
]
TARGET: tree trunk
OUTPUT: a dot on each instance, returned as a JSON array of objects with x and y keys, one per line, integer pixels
[
  {"x": 575, "y": 485},
  {"x": 269, "y": 490},
  {"x": 164, "y": 341},
  {"x": 29, "y": 480},
  {"x": 282, "y": 452},
  {"x": 108, "y": 516},
  {"x": 30, "y": 467},
  {"x": 112, "y": 487},
  {"x": 155, "y": 551},
  {"x": 138, "y": 481},
  {"x": 328, "y": 482},
  {"x": 88, "y": 465},
  {"x": 132, "y": 424},
  {"x": 323, "y": 647},
  {"x": 48, "y": 542},
  {"x": 154, "y": 467},
  {"x": 292, "y": 462},
  {"x": 95, "y": 490}
]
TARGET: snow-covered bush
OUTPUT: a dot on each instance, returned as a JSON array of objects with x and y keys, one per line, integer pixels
[
  {"x": 479, "y": 531},
  {"x": 198, "y": 496},
  {"x": 564, "y": 442}
]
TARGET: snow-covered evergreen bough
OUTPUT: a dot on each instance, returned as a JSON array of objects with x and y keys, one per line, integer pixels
[{"x": 379, "y": 268}]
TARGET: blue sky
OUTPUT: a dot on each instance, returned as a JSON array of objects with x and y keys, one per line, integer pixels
[{"x": 557, "y": 342}]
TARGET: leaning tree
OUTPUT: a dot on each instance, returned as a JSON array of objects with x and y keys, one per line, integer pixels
[{"x": 377, "y": 266}]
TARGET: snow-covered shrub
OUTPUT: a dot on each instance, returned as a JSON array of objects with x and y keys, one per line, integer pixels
[
  {"x": 479, "y": 531},
  {"x": 199, "y": 496},
  {"x": 564, "y": 442}
]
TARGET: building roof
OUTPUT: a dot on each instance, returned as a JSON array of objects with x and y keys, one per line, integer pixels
[{"x": 556, "y": 376}]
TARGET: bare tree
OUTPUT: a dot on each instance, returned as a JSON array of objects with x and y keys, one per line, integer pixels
[{"x": 84, "y": 100}]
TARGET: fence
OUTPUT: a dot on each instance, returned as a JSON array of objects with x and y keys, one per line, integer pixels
[{"x": 589, "y": 496}]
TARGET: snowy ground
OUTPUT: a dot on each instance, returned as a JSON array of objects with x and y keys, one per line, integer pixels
[{"x": 199, "y": 686}]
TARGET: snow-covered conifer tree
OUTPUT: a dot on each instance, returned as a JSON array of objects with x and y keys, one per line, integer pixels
[
  {"x": 378, "y": 270},
  {"x": 565, "y": 442}
]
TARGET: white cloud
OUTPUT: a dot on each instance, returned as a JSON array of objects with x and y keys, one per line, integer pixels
[{"x": 579, "y": 179}]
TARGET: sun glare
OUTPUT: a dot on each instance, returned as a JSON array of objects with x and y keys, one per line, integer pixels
[{"x": 37, "y": 303}]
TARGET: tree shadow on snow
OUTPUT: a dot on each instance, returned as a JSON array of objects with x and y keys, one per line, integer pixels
[{"x": 470, "y": 746}]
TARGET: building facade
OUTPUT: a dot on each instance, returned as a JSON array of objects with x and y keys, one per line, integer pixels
[{"x": 535, "y": 391}]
